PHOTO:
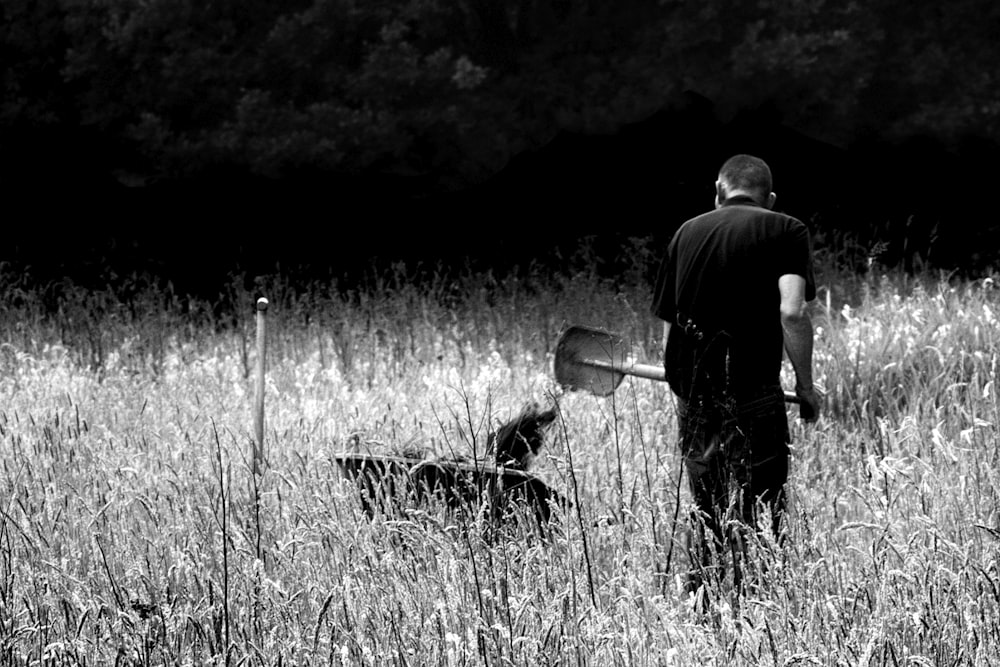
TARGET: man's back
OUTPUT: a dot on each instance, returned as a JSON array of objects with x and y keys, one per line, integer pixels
[{"x": 721, "y": 272}]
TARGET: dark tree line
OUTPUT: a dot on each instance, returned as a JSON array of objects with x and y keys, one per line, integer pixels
[
  {"x": 447, "y": 91},
  {"x": 430, "y": 96}
]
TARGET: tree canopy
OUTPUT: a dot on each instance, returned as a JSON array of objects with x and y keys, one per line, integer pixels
[
  {"x": 443, "y": 93},
  {"x": 506, "y": 112}
]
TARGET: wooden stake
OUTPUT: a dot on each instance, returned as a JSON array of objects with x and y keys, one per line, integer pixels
[{"x": 258, "y": 451}]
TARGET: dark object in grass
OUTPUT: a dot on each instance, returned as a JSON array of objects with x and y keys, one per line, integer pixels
[
  {"x": 503, "y": 486},
  {"x": 518, "y": 442}
]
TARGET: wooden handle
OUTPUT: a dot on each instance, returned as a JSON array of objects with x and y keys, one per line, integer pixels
[
  {"x": 630, "y": 368},
  {"x": 651, "y": 372}
]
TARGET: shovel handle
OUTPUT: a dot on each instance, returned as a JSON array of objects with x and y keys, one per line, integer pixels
[
  {"x": 651, "y": 372},
  {"x": 647, "y": 371}
]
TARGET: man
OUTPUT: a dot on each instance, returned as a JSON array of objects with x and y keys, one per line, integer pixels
[{"x": 732, "y": 290}]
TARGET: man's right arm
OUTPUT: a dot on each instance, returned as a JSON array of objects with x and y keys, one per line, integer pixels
[{"x": 798, "y": 338}]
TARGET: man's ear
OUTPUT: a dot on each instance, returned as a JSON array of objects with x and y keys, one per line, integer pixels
[
  {"x": 770, "y": 201},
  {"x": 720, "y": 193}
]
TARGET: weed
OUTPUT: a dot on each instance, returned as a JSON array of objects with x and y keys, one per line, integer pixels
[{"x": 123, "y": 537}]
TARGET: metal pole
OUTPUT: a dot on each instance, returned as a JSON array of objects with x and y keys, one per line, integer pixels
[{"x": 258, "y": 452}]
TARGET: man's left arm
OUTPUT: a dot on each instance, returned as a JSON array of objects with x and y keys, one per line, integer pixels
[{"x": 798, "y": 338}]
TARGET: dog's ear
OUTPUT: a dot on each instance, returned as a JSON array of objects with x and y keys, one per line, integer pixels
[
  {"x": 537, "y": 422},
  {"x": 547, "y": 417},
  {"x": 533, "y": 413}
]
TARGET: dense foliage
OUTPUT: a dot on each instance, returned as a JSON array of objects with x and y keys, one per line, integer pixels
[{"x": 444, "y": 93}]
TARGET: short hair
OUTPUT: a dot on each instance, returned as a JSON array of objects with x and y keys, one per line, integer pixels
[{"x": 746, "y": 172}]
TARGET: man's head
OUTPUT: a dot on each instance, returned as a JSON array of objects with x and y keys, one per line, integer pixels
[{"x": 745, "y": 175}]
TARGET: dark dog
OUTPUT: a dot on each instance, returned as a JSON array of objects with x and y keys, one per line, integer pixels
[
  {"x": 517, "y": 443},
  {"x": 503, "y": 486}
]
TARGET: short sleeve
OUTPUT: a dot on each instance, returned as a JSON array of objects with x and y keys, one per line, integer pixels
[{"x": 796, "y": 255}]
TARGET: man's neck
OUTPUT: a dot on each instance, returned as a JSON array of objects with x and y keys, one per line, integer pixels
[{"x": 733, "y": 194}]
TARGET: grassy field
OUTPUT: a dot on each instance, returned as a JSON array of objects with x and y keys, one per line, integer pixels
[{"x": 132, "y": 532}]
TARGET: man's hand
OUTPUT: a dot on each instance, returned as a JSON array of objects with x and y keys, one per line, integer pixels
[{"x": 809, "y": 408}]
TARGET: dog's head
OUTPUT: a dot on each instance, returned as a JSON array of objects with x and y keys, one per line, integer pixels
[{"x": 517, "y": 442}]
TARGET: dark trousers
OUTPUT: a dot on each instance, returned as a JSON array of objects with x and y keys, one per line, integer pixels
[{"x": 736, "y": 457}]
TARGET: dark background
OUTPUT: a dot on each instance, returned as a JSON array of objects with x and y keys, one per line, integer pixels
[{"x": 194, "y": 139}]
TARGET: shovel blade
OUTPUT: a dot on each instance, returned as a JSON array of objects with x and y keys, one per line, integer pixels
[{"x": 587, "y": 358}]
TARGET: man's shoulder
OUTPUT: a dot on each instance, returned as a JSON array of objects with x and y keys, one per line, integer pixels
[
  {"x": 700, "y": 222},
  {"x": 789, "y": 220},
  {"x": 763, "y": 213},
  {"x": 776, "y": 221}
]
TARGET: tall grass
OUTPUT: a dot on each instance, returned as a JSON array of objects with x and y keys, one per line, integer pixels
[{"x": 126, "y": 532}]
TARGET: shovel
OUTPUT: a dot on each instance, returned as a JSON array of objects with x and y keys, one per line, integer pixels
[{"x": 597, "y": 361}]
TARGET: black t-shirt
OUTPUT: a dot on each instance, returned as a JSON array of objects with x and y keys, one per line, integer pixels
[{"x": 721, "y": 270}]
